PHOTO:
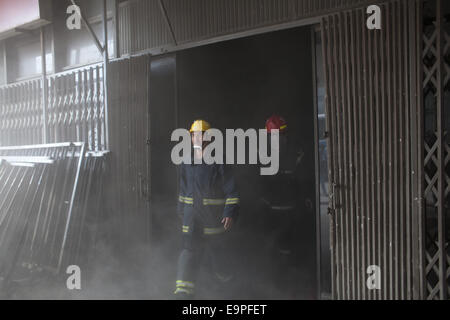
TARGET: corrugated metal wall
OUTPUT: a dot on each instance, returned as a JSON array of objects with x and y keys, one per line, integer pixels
[
  {"x": 143, "y": 24},
  {"x": 128, "y": 191},
  {"x": 373, "y": 144}
]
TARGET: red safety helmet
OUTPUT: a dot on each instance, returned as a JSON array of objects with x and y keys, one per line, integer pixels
[{"x": 276, "y": 123}]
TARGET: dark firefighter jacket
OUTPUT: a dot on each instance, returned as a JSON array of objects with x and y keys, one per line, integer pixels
[
  {"x": 207, "y": 195},
  {"x": 282, "y": 192}
]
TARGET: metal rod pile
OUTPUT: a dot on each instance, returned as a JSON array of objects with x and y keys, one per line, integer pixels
[{"x": 49, "y": 200}]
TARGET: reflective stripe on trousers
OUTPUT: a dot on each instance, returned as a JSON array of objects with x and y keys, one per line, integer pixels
[
  {"x": 207, "y": 231},
  {"x": 185, "y": 287}
]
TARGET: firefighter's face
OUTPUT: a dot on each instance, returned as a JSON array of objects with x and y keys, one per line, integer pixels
[{"x": 197, "y": 140}]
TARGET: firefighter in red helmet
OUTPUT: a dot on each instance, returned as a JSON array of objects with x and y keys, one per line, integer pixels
[
  {"x": 276, "y": 123},
  {"x": 281, "y": 192}
]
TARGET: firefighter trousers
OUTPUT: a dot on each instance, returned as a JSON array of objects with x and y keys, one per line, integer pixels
[{"x": 199, "y": 248}]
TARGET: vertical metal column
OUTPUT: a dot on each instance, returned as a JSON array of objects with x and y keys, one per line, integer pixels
[
  {"x": 317, "y": 173},
  {"x": 5, "y": 67},
  {"x": 44, "y": 87},
  {"x": 105, "y": 71},
  {"x": 416, "y": 117},
  {"x": 71, "y": 203},
  {"x": 441, "y": 151},
  {"x": 116, "y": 28}
]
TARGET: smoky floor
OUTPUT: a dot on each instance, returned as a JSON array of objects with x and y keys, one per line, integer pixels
[
  {"x": 257, "y": 273},
  {"x": 258, "y": 269},
  {"x": 260, "y": 272},
  {"x": 149, "y": 272}
]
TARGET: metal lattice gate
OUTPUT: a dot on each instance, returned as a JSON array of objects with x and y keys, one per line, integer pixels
[
  {"x": 72, "y": 104},
  {"x": 436, "y": 153}
]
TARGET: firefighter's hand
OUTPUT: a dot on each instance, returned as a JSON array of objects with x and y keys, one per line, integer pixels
[{"x": 227, "y": 223}]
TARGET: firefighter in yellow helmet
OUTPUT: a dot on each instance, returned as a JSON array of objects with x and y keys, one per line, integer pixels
[
  {"x": 208, "y": 204},
  {"x": 200, "y": 126}
]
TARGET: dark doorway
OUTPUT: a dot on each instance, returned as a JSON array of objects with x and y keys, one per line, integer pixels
[{"x": 239, "y": 84}]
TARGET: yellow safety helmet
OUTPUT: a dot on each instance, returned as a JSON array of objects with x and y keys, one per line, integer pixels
[{"x": 200, "y": 126}]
